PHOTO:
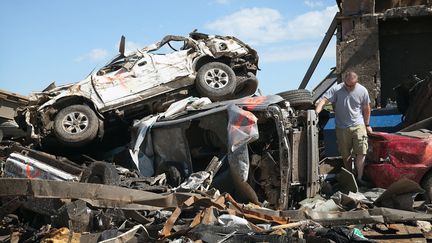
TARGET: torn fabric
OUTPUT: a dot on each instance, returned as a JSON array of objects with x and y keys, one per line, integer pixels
[{"x": 242, "y": 129}]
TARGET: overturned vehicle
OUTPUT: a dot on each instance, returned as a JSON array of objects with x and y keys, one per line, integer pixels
[
  {"x": 140, "y": 83},
  {"x": 268, "y": 149}
]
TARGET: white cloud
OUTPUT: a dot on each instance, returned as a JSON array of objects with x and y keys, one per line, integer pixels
[
  {"x": 266, "y": 25},
  {"x": 98, "y": 54},
  {"x": 255, "y": 25},
  {"x": 314, "y": 3},
  {"x": 94, "y": 55},
  {"x": 131, "y": 46},
  {"x": 311, "y": 24},
  {"x": 295, "y": 53}
]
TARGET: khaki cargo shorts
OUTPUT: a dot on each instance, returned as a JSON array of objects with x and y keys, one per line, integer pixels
[{"x": 352, "y": 138}]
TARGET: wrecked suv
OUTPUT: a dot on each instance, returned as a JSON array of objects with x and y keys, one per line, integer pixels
[
  {"x": 268, "y": 149},
  {"x": 140, "y": 83}
]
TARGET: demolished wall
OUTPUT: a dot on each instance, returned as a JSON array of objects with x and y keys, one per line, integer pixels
[{"x": 386, "y": 42}]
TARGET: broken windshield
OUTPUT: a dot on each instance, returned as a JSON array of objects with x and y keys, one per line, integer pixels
[
  {"x": 170, "y": 47},
  {"x": 118, "y": 63}
]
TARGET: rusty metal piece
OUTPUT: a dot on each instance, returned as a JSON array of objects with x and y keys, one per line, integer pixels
[
  {"x": 96, "y": 194},
  {"x": 209, "y": 216},
  {"x": 400, "y": 195},
  {"x": 166, "y": 231}
]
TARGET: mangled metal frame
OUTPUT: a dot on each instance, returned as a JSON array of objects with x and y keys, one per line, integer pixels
[
  {"x": 198, "y": 49},
  {"x": 150, "y": 134}
]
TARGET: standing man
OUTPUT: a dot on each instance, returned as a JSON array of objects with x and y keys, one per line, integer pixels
[{"x": 352, "y": 110}]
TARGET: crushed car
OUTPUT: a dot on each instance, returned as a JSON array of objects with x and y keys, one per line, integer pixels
[
  {"x": 142, "y": 82},
  {"x": 404, "y": 154},
  {"x": 269, "y": 151}
]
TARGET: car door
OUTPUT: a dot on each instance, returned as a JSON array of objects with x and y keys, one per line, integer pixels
[
  {"x": 117, "y": 83},
  {"x": 171, "y": 66},
  {"x": 152, "y": 70}
]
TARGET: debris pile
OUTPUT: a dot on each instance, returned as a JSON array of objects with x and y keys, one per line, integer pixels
[
  {"x": 228, "y": 189},
  {"x": 112, "y": 159},
  {"x": 47, "y": 210}
]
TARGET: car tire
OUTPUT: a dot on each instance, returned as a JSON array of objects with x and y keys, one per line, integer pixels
[
  {"x": 216, "y": 81},
  {"x": 100, "y": 173},
  {"x": 76, "y": 125},
  {"x": 247, "y": 88},
  {"x": 299, "y": 99}
]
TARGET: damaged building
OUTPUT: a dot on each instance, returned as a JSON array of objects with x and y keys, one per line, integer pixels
[{"x": 386, "y": 42}]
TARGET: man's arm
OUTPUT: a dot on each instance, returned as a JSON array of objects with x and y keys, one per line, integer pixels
[
  {"x": 366, "y": 117},
  {"x": 323, "y": 101}
]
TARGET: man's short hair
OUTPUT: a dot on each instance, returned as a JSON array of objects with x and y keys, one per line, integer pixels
[{"x": 351, "y": 75}]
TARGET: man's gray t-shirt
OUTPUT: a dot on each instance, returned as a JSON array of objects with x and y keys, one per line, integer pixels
[{"x": 348, "y": 105}]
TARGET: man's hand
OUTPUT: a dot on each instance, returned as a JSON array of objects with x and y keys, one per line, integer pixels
[
  {"x": 368, "y": 129},
  {"x": 318, "y": 108}
]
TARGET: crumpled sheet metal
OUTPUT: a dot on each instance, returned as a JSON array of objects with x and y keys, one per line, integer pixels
[
  {"x": 141, "y": 133},
  {"x": 351, "y": 201},
  {"x": 127, "y": 236},
  {"x": 190, "y": 103},
  {"x": 400, "y": 195},
  {"x": 196, "y": 181},
  {"x": 344, "y": 218},
  {"x": 242, "y": 129},
  {"x": 95, "y": 194}
]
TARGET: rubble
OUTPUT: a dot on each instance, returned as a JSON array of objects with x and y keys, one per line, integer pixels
[
  {"x": 154, "y": 190},
  {"x": 193, "y": 163},
  {"x": 123, "y": 212}
]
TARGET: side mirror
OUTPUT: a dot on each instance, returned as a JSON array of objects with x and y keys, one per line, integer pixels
[{"x": 122, "y": 45}]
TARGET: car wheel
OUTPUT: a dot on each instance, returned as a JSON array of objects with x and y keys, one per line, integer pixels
[
  {"x": 247, "y": 88},
  {"x": 76, "y": 125},
  {"x": 216, "y": 80},
  {"x": 299, "y": 99}
]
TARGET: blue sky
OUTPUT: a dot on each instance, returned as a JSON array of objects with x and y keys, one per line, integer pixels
[{"x": 63, "y": 41}]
